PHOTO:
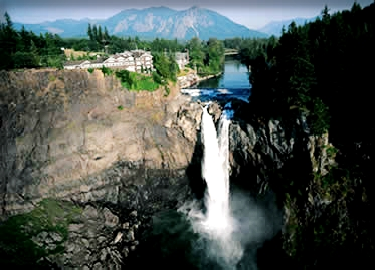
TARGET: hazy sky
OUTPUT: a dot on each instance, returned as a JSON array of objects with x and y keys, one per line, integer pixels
[{"x": 251, "y": 13}]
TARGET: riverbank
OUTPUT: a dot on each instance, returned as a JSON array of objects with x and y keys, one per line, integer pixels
[{"x": 193, "y": 78}]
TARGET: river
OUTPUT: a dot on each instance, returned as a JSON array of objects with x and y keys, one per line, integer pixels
[
  {"x": 232, "y": 83},
  {"x": 223, "y": 231}
]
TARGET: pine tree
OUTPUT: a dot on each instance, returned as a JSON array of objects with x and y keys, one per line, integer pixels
[
  {"x": 100, "y": 34},
  {"x": 94, "y": 32},
  {"x": 106, "y": 35},
  {"x": 89, "y": 31}
]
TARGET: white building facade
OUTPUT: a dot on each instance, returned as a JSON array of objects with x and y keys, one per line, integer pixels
[{"x": 135, "y": 61}]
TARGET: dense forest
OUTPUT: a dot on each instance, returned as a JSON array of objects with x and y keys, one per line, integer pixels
[
  {"x": 24, "y": 49},
  {"x": 323, "y": 70}
]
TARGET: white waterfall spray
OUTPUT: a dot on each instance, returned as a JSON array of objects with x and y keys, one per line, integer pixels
[
  {"x": 217, "y": 224},
  {"x": 215, "y": 170},
  {"x": 230, "y": 222}
]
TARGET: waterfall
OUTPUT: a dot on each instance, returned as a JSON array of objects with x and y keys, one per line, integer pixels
[
  {"x": 215, "y": 170},
  {"x": 217, "y": 223},
  {"x": 230, "y": 220}
]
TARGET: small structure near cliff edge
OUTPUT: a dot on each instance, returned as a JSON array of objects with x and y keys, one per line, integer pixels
[
  {"x": 182, "y": 59},
  {"x": 135, "y": 61}
]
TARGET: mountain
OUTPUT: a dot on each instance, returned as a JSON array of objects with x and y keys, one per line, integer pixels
[
  {"x": 275, "y": 27},
  {"x": 64, "y": 27},
  {"x": 161, "y": 22}
]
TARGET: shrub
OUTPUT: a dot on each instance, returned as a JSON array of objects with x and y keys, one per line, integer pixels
[
  {"x": 90, "y": 70},
  {"x": 125, "y": 78},
  {"x": 156, "y": 77},
  {"x": 25, "y": 60},
  {"x": 167, "y": 91},
  {"x": 106, "y": 71},
  {"x": 320, "y": 118},
  {"x": 51, "y": 78}
]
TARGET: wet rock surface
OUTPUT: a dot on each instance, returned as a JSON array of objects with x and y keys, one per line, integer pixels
[{"x": 99, "y": 238}]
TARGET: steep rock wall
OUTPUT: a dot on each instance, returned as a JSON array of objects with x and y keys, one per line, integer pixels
[
  {"x": 286, "y": 160},
  {"x": 80, "y": 136}
]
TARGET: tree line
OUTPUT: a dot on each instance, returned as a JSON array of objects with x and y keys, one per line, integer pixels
[
  {"x": 24, "y": 49},
  {"x": 324, "y": 71}
]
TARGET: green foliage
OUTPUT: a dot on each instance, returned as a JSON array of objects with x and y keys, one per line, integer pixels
[
  {"x": 16, "y": 246},
  {"x": 126, "y": 79},
  {"x": 320, "y": 117},
  {"x": 23, "y": 49},
  {"x": 167, "y": 90},
  {"x": 215, "y": 50},
  {"x": 196, "y": 53},
  {"x": 52, "y": 61},
  {"x": 137, "y": 81},
  {"x": 142, "y": 82},
  {"x": 316, "y": 67},
  {"x": 166, "y": 66},
  {"x": 25, "y": 60},
  {"x": 322, "y": 69},
  {"x": 156, "y": 77},
  {"x": 164, "y": 45},
  {"x": 90, "y": 70},
  {"x": 331, "y": 151},
  {"x": 106, "y": 71},
  {"x": 51, "y": 78},
  {"x": 120, "y": 107},
  {"x": 206, "y": 57}
]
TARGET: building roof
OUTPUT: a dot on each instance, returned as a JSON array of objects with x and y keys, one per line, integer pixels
[
  {"x": 73, "y": 63},
  {"x": 126, "y": 54}
]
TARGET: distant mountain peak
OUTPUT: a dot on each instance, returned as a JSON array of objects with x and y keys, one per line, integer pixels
[
  {"x": 152, "y": 22},
  {"x": 161, "y": 8}
]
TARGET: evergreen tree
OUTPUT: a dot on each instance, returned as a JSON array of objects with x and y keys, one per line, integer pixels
[
  {"x": 89, "y": 32},
  {"x": 106, "y": 35},
  {"x": 100, "y": 34},
  {"x": 94, "y": 33},
  {"x": 215, "y": 55},
  {"x": 8, "y": 42},
  {"x": 196, "y": 53}
]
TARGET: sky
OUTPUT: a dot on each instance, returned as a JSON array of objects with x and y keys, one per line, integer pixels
[{"x": 252, "y": 13}]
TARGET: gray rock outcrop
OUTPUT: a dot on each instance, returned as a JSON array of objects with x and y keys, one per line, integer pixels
[{"x": 82, "y": 137}]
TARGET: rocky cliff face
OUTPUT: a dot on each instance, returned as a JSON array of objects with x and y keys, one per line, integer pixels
[
  {"x": 121, "y": 156},
  {"x": 80, "y": 137},
  {"x": 319, "y": 200},
  {"x": 76, "y": 135}
]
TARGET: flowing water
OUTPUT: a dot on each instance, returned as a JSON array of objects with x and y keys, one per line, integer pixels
[
  {"x": 216, "y": 225},
  {"x": 232, "y": 83},
  {"x": 224, "y": 230}
]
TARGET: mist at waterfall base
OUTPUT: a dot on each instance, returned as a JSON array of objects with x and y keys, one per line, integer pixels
[{"x": 225, "y": 229}]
